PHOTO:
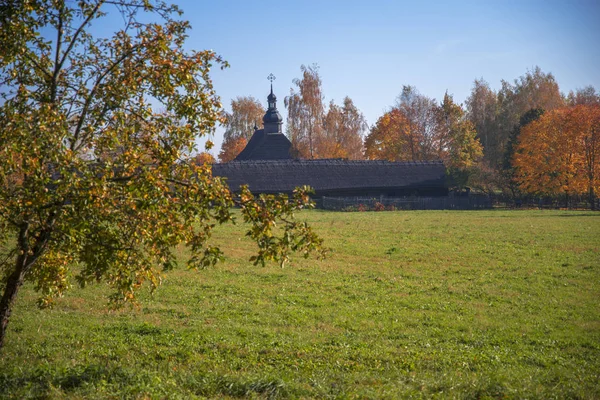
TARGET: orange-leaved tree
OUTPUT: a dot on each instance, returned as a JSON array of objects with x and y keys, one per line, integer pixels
[
  {"x": 204, "y": 158},
  {"x": 558, "y": 153},
  {"x": 231, "y": 148},
  {"x": 246, "y": 113},
  {"x": 389, "y": 138},
  {"x": 343, "y": 132}
]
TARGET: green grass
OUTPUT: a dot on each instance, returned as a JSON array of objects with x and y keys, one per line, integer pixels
[{"x": 484, "y": 304}]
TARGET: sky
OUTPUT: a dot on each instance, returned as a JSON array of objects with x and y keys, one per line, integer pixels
[{"x": 368, "y": 50}]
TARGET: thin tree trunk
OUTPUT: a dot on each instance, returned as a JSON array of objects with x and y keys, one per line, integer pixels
[
  {"x": 14, "y": 282},
  {"x": 592, "y": 198},
  {"x": 28, "y": 255}
]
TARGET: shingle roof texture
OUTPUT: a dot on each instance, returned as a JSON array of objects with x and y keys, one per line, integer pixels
[
  {"x": 264, "y": 146},
  {"x": 272, "y": 176}
]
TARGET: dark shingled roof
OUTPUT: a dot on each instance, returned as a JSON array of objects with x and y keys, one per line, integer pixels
[
  {"x": 336, "y": 177},
  {"x": 266, "y": 146}
]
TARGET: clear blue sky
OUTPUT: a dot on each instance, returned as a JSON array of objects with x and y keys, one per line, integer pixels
[{"x": 368, "y": 49}]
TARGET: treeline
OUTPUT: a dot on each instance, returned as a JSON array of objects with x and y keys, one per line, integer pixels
[{"x": 527, "y": 138}]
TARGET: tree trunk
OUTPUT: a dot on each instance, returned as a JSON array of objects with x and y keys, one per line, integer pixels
[
  {"x": 14, "y": 282},
  {"x": 28, "y": 255},
  {"x": 592, "y": 199}
]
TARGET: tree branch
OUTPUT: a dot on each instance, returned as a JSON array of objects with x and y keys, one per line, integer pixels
[
  {"x": 90, "y": 96},
  {"x": 57, "y": 66},
  {"x": 78, "y": 32}
]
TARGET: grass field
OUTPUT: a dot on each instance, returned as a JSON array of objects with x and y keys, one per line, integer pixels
[{"x": 484, "y": 304}]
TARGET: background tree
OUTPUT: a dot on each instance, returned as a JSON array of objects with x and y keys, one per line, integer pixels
[
  {"x": 420, "y": 113},
  {"x": 389, "y": 139},
  {"x": 508, "y": 174},
  {"x": 419, "y": 129},
  {"x": 558, "y": 153},
  {"x": 246, "y": 113},
  {"x": 343, "y": 132},
  {"x": 68, "y": 97},
  {"x": 495, "y": 115},
  {"x": 588, "y": 118},
  {"x": 534, "y": 90},
  {"x": 456, "y": 142},
  {"x": 204, "y": 158},
  {"x": 231, "y": 148},
  {"x": 305, "y": 112},
  {"x": 587, "y": 95},
  {"x": 482, "y": 111}
]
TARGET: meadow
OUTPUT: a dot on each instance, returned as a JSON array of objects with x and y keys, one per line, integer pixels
[{"x": 414, "y": 304}]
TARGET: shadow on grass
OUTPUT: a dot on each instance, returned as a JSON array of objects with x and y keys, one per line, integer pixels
[
  {"x": 40, "y": 382},
  {"x": 82, "y": 380},
  {"x": 217, "y": 385}
]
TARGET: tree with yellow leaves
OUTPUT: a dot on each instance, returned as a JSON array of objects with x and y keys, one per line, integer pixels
[{"x": 95, "y": 174}]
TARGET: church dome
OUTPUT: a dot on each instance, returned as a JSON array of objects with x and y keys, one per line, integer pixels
[
  {"x": 272, "y": 119},
  {"x": 272, "y": 116}
]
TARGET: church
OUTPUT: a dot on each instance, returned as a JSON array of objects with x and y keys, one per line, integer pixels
[{"x": 267, "y": 166}]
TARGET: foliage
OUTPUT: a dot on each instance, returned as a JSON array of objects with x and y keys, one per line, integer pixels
[
  {"x": 458, "y": 144},
  {"x": 315, "y": 133},
  {"x": 343, "y": 131},
  {"x": 419, "y": 304},
  {"x": 423, "y": 142},
  {"x": 558, "y": 152},
  {"x": 585, "y": 96},
  {"x": 91, "y": 174},
  {"x": 231, "y": 148},
  {"x": 408, "y": 131},
  {"x": 419, "y": 129},
  {"x": 507, "y": 174},
  {"x": 482, "y": 110},
  {"x": 246, "y": 113},
  {"x": 305, "y": 112},
  {"x": 496, "y": 114},
  {"x": 388, "y": 138},
  {"x": 263, "y": 216},
  {"x": 204, "y": 158}
]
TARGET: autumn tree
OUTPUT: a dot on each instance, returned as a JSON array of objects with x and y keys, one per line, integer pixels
[
  {"x": 420, "y": 113},
  {"x": 246, "y": 114},
  {"x": 482, "y": 110},
  {"x": 507, "y": 174},
  {"x": 305, "y": 112},
  {"x": 558, "y": 153},
  {"x": 388, "y": 139},
  {"x": 494, "y": 120},
  {"x": 343, "y": 132},
  {"x": 456, "y": 141},
  {"x": 587, "y": 95},
  {"x": 408, "y": 132},
  {"x": 589, "y": 118},
  {"x": 204, "y": 158},
  {"x": 68, "y": 97},
  {"x": 534, "y": 90},
  {"x": 231, "y": 148}
]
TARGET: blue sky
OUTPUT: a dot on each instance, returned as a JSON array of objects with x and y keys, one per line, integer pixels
[{"x": 368, "y": 49}]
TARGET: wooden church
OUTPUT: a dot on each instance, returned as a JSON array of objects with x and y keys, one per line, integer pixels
[{"x": 267, "y": 166}]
